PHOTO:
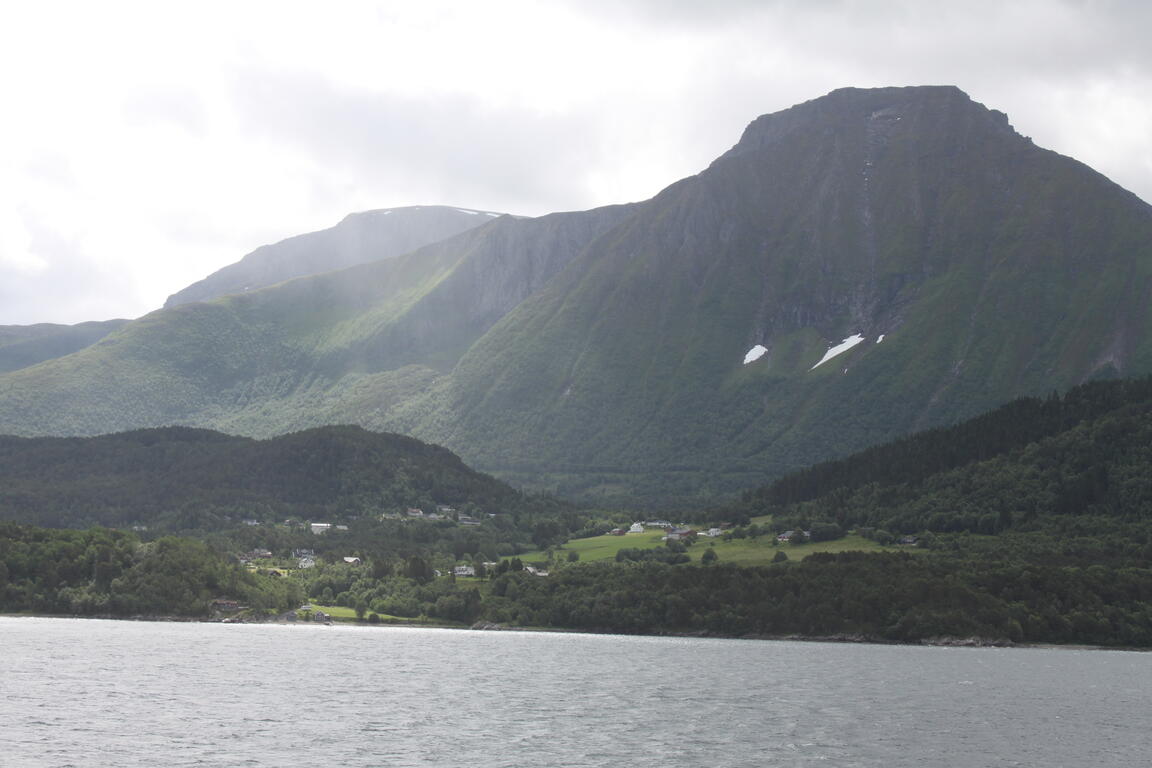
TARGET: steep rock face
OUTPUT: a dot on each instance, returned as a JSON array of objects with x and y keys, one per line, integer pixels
[
  {"x": 25, "y": 345},
  {"x": 359, "y": 238}
]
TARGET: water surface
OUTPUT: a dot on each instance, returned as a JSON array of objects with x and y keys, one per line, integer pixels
[{"x": 105, "y": 693}]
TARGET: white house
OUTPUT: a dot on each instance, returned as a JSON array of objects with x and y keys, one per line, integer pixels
[
  {"x": 636, "y": 528},
  {"x": 319, "y": 528}
]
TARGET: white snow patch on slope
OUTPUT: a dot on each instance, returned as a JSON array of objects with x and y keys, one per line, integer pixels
[
  {"x": 754, "y": 354},
  {"x": 465, "y": 210},
  {"x": 843, "y": 346},
  {"x": 880, "y": 338}
]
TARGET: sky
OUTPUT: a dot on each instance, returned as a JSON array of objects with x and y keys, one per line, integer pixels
[{"x": 144, "y": 145}]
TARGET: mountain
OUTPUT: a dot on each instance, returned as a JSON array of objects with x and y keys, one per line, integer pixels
[
  {"x": 855, "y": 268},
  {"x": 182, "y": 478},
  {"x": 25, "y": 345},
  {"x": 359, "y": 238},
  {"x": 970, "y": 266},
  {"x": 352, "y": 346}
]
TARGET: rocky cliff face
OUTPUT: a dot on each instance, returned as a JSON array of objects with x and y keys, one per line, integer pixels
[{"x": 359, "y": 238}]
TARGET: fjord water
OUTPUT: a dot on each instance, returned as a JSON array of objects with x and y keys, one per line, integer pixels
[{"x": 103, "y": 693}]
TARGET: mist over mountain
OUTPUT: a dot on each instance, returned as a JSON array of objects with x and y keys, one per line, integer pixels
[
  {"x": 857, "y": 267},
  {"x": 359, "y": 238}
]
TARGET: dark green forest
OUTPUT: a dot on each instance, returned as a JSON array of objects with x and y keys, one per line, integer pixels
[
  {"x": 178, "y": 478},
  {"x": 1071, "y": 467}
]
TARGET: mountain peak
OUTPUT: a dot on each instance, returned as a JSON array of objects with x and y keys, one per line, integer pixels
[{"x": 845, "y": 108}]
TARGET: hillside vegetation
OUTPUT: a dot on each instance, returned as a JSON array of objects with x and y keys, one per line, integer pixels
[
  {"x": 1033, "y": 523},
  {"x": 180, "y": 478}
]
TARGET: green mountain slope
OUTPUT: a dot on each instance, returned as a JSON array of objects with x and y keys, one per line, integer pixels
[
  {"x": 25, "y": 345},
  {"x": 343, "y": 347},
  {"x": 359, "y": 238},
  {"x": 604, "y": 352}
]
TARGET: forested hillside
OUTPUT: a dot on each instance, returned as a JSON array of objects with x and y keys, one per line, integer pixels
[
  {"x": 1078, "y": 461},
  {"x": 25, "y": 345},
  {"x": 1031, "y": 523},
  {"x": 180, "y": 478}
]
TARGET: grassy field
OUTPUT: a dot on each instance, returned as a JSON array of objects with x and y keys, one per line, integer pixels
[
  {"x": 340, "y": 613},
  {"x": 758, "y": 551}
]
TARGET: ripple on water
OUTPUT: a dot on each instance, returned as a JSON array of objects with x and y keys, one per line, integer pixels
[{"x": 97, "y": 693}]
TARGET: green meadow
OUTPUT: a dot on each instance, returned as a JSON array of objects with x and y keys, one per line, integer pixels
[{"x": 748, "y": 551}]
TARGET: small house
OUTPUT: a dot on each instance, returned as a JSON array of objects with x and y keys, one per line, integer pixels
[{"x": 636, "y": 528}]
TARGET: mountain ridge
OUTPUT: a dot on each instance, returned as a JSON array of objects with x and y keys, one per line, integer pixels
[{"x": 358, "y": 238}]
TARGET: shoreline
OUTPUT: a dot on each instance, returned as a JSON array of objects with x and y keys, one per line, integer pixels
[{"x": 930, "y": 642}]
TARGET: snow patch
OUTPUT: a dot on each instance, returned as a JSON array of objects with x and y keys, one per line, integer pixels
[
  {"x": 465, "y": 210},
  {"x": 843, "y": 346},
  {"x": 491, "y": 214},
  {"x": 754, "y": 354},
  {"x": 880, "y": 338}
]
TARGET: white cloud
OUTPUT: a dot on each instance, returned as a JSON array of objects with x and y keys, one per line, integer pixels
[{"x": 146, "y": 144}]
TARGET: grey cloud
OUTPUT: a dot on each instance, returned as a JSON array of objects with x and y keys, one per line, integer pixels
[
  {"x": 71, "y": 289},
  {"x": 451, "y": 149}
]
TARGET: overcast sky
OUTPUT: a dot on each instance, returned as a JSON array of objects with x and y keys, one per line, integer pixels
[{"x": 145, "y": 145}]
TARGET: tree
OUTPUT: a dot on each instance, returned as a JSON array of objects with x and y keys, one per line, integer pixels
[
  {"x": 417, "y": 568},
  {"x": 780, "y": 557},
  {"x": 709, "y": 557}
]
